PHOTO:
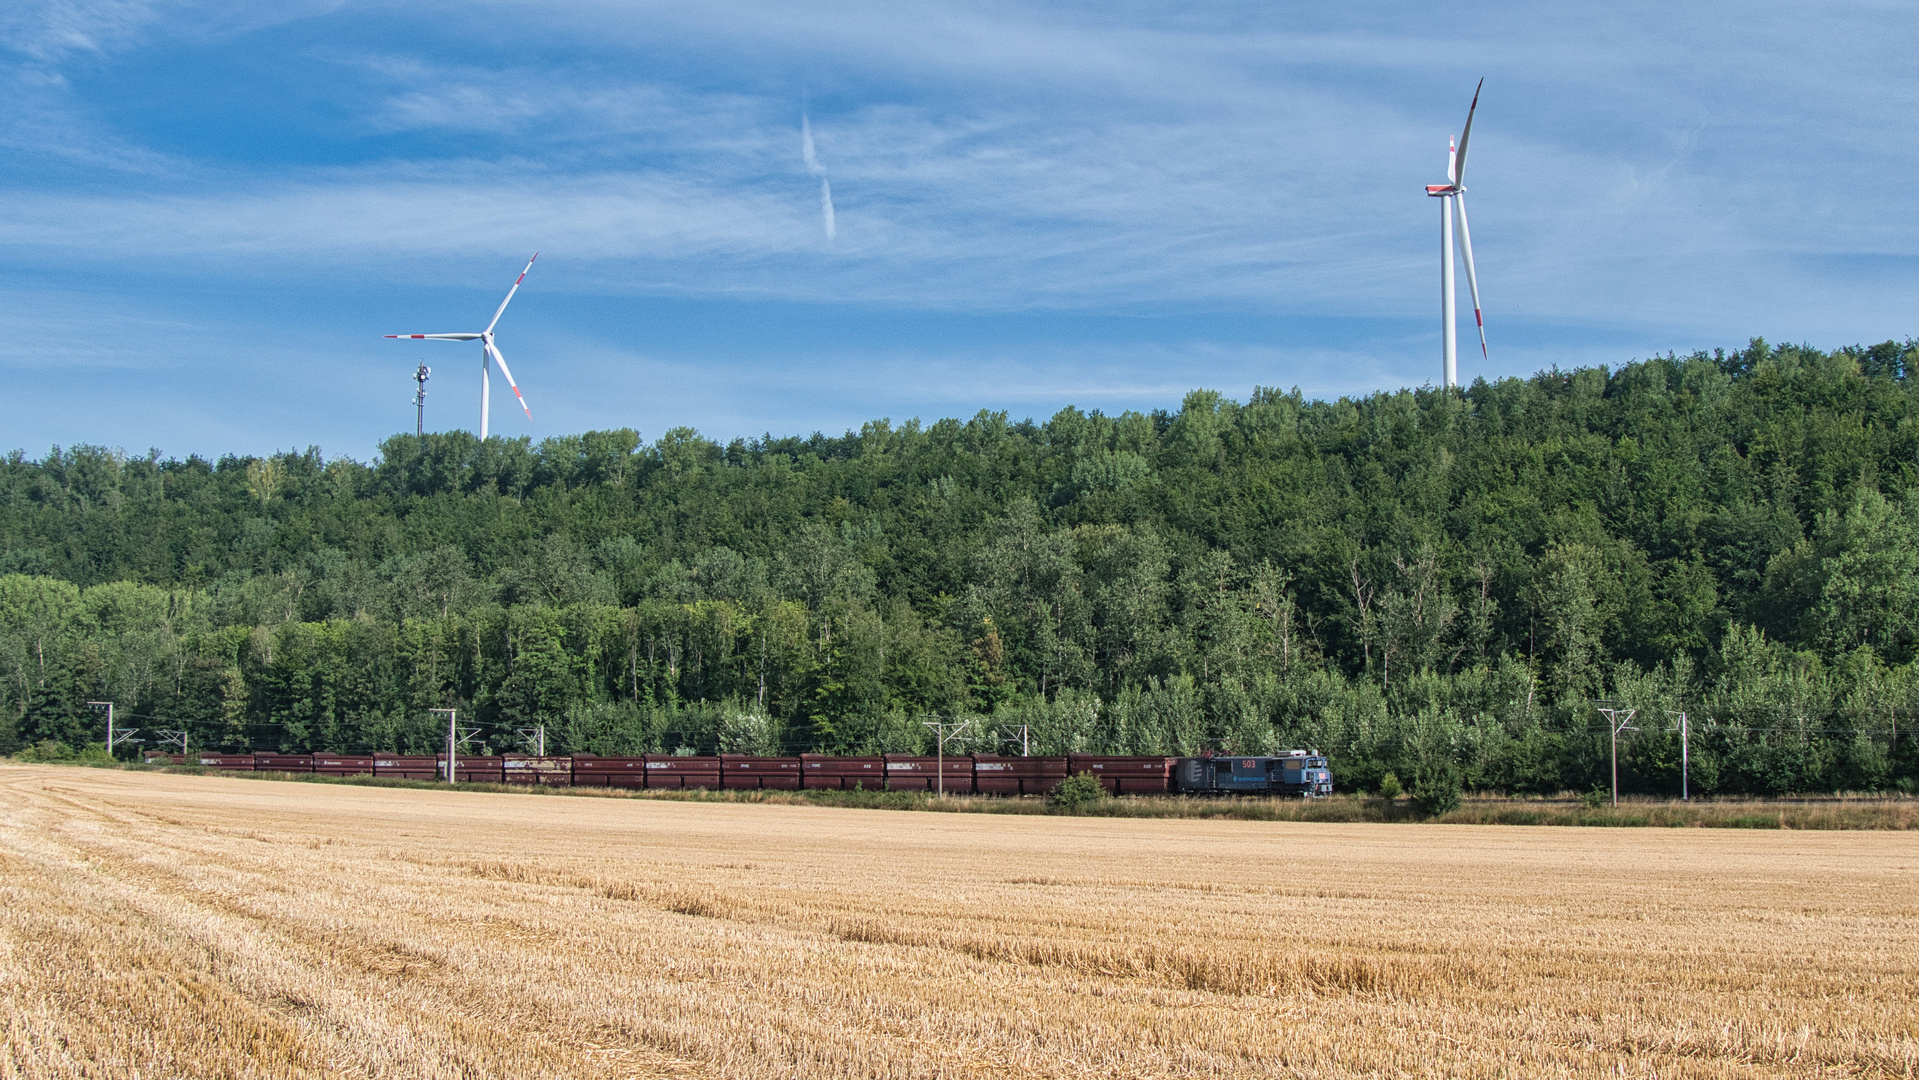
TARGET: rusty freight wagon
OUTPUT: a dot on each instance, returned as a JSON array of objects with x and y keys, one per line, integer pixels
[
  {"x": 407, "y": 766},
  {"x": 283, "y": 763},
  {"x": 826, "y": 772},
  {"x": 1018, "y": 775},
  {"x": 738, "y": 772},
  {"x": 550, "y": 771},
  {"x": 477, "y": 770},
  {"x": 1126, "y": 775},
  {"x": 592, "y": 771},
  {"x": 674, "y": 771},
  {"x": 342, "y": 764},
  {"x": 954, "y": 776},
  {"x": 227, "y": 762}
]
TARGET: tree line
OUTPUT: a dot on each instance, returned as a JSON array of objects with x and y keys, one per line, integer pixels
[{"x": 1440, "y": 584}]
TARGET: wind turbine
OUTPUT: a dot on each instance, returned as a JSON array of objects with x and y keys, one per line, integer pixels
[
  {"x": 1452, "y": 200},
  {"x": 489, "y": 352}
]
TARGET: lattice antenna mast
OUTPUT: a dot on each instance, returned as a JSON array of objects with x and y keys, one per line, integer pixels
[
  {"x": 1617, "y": 720},
  {"x": 942, "y": 731},
  {"x": 419, "y": 400}
]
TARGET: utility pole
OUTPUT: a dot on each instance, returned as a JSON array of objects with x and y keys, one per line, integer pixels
[
  {"x": 1617, "y": 720},
  {"x": 108, "y": 706},
  {"x": 452, "y": 736},
  {"x": 113, "y": 739},
  {"x": 419, "y": 400},
  {"x": 1685, "y": 756},
  {"x": 941, "y": 732}
]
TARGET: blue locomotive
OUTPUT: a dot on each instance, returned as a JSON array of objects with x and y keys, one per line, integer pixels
[{"x": 1296, "y": 772}]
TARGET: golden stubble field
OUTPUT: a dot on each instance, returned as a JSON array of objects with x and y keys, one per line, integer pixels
[{"x": 181, "y": 926}]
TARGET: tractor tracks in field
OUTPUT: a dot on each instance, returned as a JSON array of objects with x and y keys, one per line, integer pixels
[{"x": 342, "y": 997}]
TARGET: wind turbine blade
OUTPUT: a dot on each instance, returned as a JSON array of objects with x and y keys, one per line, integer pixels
[
  {"x": 1472, "y": 278},
  {"x": 1459, "y": 169},
  {"x": 500, "y": 358},
  {"x": 435, "y": 337},
  {"x": 509, "y": 294}
]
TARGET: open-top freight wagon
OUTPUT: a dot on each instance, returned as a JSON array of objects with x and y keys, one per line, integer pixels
[{"x": 1297, "y": 773}]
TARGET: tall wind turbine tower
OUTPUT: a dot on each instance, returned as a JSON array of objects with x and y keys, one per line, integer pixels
[
  {"x": 489, "y": 354},
  {"x": 1452, "y": 202}
]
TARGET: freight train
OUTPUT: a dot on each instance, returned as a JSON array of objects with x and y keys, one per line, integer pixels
[{"x": 1297, "y": 772}]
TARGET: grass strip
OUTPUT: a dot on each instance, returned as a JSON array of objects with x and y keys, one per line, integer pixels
[{"x": 1813, "y": 812}]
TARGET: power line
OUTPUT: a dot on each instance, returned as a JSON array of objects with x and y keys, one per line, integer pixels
[
  {"x": 533, "y": 738},
  {"x": 1744, "y": 729}
]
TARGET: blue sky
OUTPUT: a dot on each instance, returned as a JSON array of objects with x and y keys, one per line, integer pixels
[{"x": 210, "y": 210}]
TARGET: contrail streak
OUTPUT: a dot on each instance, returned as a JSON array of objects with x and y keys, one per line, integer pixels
[
  {"x": 807, "y": 154},
  {"x": 806, "y": 146}
]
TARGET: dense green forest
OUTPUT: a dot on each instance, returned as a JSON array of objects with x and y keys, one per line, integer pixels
[{"x": 1442, "y": 584}]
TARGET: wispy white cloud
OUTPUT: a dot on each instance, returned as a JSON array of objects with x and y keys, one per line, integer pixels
[
  {"x": 42, "y": 328},
  {"x": 36, "y": 37},
  {"x": 42, "y": 41},
  {"x": 414, "y": 221},
  {"x": 49, "y": 31},
  {"x": 828, "y": 223},
  {"x": 541, "y": 107},
  {"x": 1644, "y": 173},
  {"x": 1147, "y": 159},
  {"x": 1315, "y": 210}
]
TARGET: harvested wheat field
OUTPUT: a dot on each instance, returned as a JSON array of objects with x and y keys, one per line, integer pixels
[{"x": 181, "y": 926}]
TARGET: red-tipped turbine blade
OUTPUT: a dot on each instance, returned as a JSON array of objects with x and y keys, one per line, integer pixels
[
  {"x": 1472, "y": 277},
  {"x": 509, "y": 294},
  {"x": 1459, "y": 168},
  {"x": 500, "y": 358}
]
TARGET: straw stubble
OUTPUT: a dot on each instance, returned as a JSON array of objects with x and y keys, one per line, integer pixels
[{"x": 213, "y": 927}]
